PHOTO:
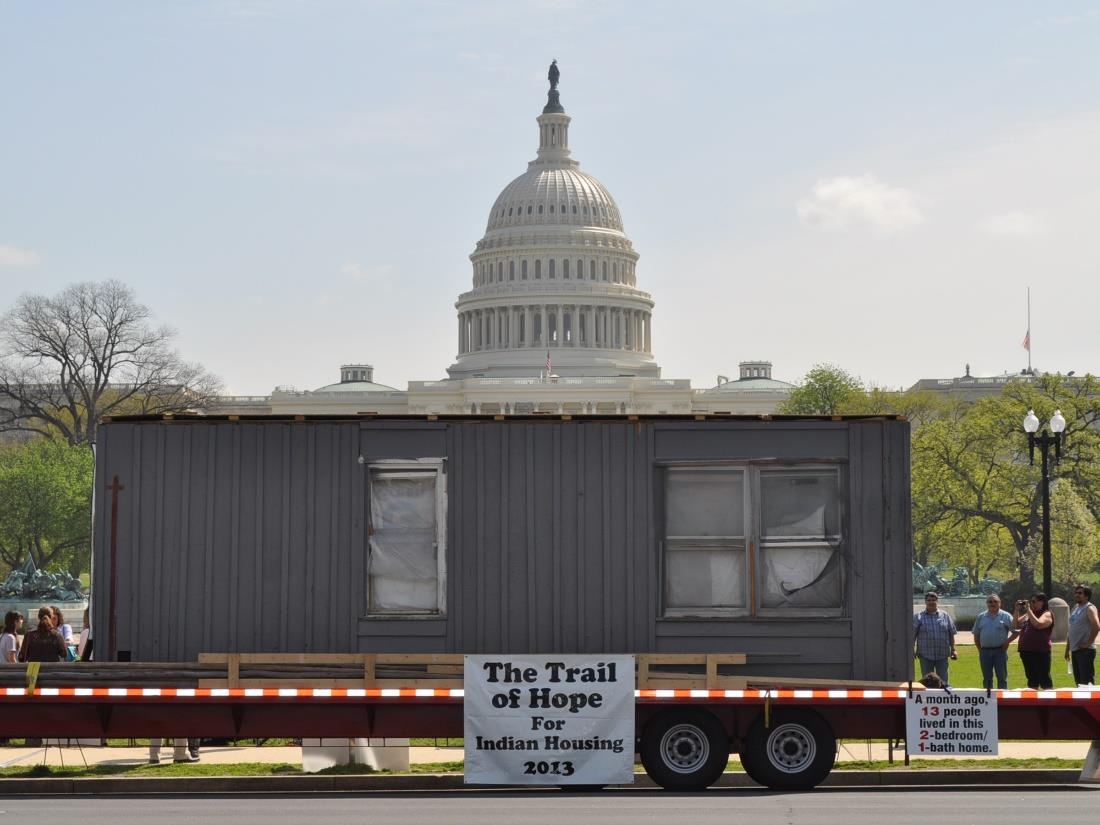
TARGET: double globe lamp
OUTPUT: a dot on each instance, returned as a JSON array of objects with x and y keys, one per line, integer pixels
[{"x": 1045, "y": 440}]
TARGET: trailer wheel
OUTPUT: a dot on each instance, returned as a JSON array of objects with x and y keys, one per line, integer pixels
[
  {"x": 795, "y": 753},
  {"x": 684, "y": 750}
]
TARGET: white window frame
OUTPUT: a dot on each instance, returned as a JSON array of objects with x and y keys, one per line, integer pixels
[
  {"x": 739, "y": 544},
  {"x": 413, "y": 467}
]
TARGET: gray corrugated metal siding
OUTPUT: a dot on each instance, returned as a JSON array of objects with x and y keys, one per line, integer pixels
[{"x": 250, "y": 536}]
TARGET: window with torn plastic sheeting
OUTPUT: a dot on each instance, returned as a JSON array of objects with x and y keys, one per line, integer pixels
[
  {"x": 799, "y": 576},
  {"x": 753, "y": 540},
  {"x": 406, "y": 542},
  {"x": 800, "y": 504},
  {"x": 801, "y": 564}
]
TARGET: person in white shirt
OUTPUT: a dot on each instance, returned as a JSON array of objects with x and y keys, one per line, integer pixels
[
  {"x": 66, "y": 630},
  {"x": 9, "y": 639}
]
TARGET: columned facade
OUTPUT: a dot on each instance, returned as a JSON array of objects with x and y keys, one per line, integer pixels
[{"x": 570, "y": 325}]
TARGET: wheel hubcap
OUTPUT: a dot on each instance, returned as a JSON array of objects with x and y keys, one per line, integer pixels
[
  {"x": 684, "y": 748},
  {"x": 791, "y": 748}
]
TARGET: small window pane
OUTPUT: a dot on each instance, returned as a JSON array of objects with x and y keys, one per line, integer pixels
[
  {"x": 801, "y": 577},
  {"x": 705, "y": 503},
  {"x": 800, "y": 503},
  {"x": 403, "y": 501},
  {"x": 704, "y": 577},
  {"x": 404, "y": 566}
]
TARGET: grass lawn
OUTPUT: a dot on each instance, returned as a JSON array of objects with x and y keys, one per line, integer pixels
[
  {"x": 172, "y": 770},
  {"x": 967, "y": 672},
  {"x": 266, "y": 769}
]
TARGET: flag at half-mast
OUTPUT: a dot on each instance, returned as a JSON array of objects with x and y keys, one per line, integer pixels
[{"x": 1027, "y": 341}]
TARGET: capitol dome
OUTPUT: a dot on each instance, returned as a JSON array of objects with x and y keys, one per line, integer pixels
[
  {"x": 555, "y": 196},
  {"x": 554, "y": 286}
]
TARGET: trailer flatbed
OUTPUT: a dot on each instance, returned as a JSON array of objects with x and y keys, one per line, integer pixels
[{"x": 786, "y": 737}]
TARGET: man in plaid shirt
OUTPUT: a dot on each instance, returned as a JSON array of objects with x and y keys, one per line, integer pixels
[{"x": 933, "y": 637}]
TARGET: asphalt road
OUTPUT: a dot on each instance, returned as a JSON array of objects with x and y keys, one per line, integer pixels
[{"x": 626, "y": 807}]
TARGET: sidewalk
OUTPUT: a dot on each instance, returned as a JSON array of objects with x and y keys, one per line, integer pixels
[{"x": 298, "y": 783}]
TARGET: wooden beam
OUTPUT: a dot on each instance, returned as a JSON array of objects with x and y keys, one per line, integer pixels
[{"x": 691, "y": 658}]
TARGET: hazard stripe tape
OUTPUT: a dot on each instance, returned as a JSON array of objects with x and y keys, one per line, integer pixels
[
  {"x": 1064, "y": 695},
  {"x": 1061, "y": 695},
  {"x": 237, "y": 693}
]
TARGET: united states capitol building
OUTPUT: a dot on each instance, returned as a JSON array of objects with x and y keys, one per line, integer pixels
[{"x": 555, "y": 321}]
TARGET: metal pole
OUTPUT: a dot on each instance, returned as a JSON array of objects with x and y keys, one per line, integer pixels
[
  {"x": 112, "y": 596},
  {"x": 1044, "y": 445}
]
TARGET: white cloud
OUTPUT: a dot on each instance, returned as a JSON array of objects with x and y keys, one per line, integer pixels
[
  {"x": 837, "y": 203},
  {"x": 1014, "y": 224},
  {"x": 18, "y": 258}
]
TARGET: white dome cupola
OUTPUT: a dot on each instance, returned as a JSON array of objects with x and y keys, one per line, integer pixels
[{"x": 554, "y": 274}]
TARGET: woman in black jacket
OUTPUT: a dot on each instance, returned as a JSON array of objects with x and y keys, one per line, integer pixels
[{"x": 43, "y": 644}]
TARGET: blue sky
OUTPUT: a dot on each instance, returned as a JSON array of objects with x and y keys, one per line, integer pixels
[{"x": 293, "y": 185}]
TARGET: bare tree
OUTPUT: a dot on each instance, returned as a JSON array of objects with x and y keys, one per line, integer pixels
[{"x": 92, "y": 350}]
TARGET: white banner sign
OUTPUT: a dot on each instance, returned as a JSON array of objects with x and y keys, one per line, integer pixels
[
  {"x": 549, "y": 720},
  {"x": 951, "y": 723}
]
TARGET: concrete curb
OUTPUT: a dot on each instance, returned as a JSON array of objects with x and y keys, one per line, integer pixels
[{"x": 453, "y": 782}]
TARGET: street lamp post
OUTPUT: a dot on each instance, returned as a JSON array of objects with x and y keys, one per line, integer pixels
[{"x": 1045, "y": 440}]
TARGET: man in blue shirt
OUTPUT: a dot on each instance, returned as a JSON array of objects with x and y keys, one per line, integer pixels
[
  {"x": 933, "y": 637},
  {"x": 993, "y": 633}
]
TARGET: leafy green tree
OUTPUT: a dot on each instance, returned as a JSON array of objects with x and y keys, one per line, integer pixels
[
  {"x": 919, "y": 407},
  {"x": 975, "y": 498},
  {"x": 1075, "y": 536},
  {"x": 970, "y": 469},
  {"x": 825, "y": 390},
  {"x": 1079, "y": 400},
  {"x": 45, "y": 504}
]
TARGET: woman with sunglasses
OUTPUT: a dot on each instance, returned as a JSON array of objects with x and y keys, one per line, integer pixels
[{"x": 1035, "y": 622}]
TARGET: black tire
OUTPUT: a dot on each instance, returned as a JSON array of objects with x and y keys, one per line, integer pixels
[
  {"x": 795, "y": 752},
  {"x": 684, "y": 749}
]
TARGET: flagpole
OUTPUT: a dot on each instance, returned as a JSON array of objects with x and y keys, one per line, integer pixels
[{"x": 1029, "y": 372}]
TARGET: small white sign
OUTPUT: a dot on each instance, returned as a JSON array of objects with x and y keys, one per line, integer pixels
[
  {"x": 951, "y": 723},
  {"x": 549, "y": 720}
]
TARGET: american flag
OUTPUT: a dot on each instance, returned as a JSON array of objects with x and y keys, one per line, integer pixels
[
  {"x": 1027, "y": 341},
  {"x": 549, "y": 367}
]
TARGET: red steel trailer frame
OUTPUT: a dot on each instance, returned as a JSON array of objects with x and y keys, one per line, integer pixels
[{"x": 786, "y": 737}]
